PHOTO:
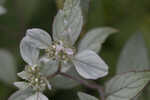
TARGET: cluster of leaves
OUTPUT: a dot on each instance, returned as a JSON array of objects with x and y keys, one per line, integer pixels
[
  {"x": 65, "y": 56},
  {"x": 60, "y": 53}
]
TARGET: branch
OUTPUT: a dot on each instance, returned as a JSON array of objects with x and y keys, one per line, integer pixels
[
  {"x": 56, "y": 73},
  {"x": 91, "y": 85}
]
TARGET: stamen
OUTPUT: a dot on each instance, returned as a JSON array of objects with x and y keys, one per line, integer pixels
[{"x": 60, "y": 51}]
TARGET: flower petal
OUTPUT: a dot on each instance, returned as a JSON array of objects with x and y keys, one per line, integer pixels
[
  {"x": 39, "y": 38},
  {"x": 37, "y": 96},
  {"x": 89, "y": 65},
  {"x": 29, "y": 53}
]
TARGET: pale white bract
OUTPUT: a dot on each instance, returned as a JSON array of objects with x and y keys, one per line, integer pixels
[
  {"x": 28, "y": 52},
  {"x": 66, "y": 30}
]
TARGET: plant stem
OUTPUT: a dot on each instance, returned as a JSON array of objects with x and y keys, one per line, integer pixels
[
  {"x": 56, "y": 73},
  {"x": 91, "y": 85}
]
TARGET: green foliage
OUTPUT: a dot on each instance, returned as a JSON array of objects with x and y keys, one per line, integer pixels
[
  {"x": 94, "y": 39},
  {"x": 84, "y": 96},
  {"x": 127, "y": 85},
  {"x": 134, "y": 56}
]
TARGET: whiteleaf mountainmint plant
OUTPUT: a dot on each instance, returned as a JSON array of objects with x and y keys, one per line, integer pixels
[{"x": 48, "y": 57}]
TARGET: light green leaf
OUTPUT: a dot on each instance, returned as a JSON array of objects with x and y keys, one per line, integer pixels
[
  {"x": 65, "y": 83},
  {"x": 68, "y": 22},
  {"x": 37, "y": 96},
  {"x": 7, "y": 67},
  {"x": 24, "y": 75},
  {"x": 49, "y": 66},
  {"x": 126, "y": 86},
  {"x": 89, "y": 65},
  {"x": 84, "y": 96},
  {"x": 21, "y": 85},
  {"x": 21, "y": 94},
  {"x": 2, "y": 10},
  {"x": 59, "y": 82},
  {"x": 134, "y": 55},
  {"x": 94, "y": 39}
]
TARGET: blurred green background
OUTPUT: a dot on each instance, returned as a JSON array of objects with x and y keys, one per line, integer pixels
[{"x": 128, "y": 16}]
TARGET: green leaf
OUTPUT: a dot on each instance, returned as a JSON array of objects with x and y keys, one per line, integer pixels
[
  {"x": 68, "y": 22},
  {"x": 24, "y": 75},
  {"x": 84, "y": 96},
  {"x": 63, "y": 82},
  {"x": 59, "y": 82},
  {"x": 21, "y": 95},
  {"x": 126, "y": 86},
  {"x": 89, "y": 65},
  {"x": 21, "y": 85},
  {"x": 48, "y": 66},
  {"x": 7, "y": 67},
  {"x": 134, "y": 55},
  {"x": 94, "y": 39},
  {"x": 2, "y": 10}
]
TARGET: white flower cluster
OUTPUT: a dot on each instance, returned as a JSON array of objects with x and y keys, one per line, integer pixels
[
  {"x": 34, "y": 78},
  {"x": 59, "y": 51}
]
